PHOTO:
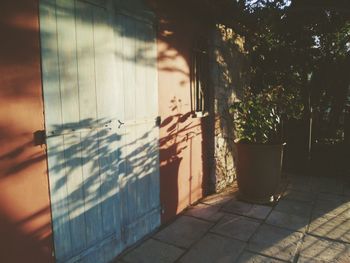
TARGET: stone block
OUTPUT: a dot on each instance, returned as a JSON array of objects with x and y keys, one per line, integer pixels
[
  {"x": 276, "y": 242},
  {"x": 294, "y": 207},
  {"x": 247, "y": 209},
  {"x": 205, "y": 212},
  {"x": 214, "y": 248},
  {"x": 249, "y": 257},
  {"x": 286, "y": 220},
  {"x": 320, "y": 250},
  {"x": 153, "y": 251},
  {"x": 184, "y": 231},
  {"x": 238, "y": 227},
  {"x": 332, "y": 227}
]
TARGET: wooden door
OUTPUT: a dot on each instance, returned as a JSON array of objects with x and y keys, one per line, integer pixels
[{"x": 100, "y": 97}]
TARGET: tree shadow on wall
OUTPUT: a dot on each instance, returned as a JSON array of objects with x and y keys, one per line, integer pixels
[
  {"x": 104, "y": 185},
  {"x": 180, "y": 131}
]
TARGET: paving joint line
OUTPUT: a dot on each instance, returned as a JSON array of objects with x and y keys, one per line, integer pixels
[
  {"x": 306, "y": 232},
  {"x": 264, "y": 255},
  {"x": 263, "y": 221},
  {"x": 208, "y": 231},
  {"x": 329, "y": 239}
]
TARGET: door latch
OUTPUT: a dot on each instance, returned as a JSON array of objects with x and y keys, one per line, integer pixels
[
  {"x": 39, "y": 138},
  {"x": 158, "y": 121}
]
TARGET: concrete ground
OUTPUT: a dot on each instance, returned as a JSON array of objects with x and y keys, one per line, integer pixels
[{"x": 310, "y": 223}]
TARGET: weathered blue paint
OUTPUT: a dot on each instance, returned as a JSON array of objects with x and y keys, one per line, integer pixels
[{"x": 100, "y": 96}]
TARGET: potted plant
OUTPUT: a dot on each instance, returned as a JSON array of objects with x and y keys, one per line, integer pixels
[{"x": 257, "y": 120}]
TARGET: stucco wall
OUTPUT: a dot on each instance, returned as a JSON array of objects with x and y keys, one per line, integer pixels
[
  {"x": 229, "y": 67},
  {"x": 24, "y": 198},
  {"x": 183, "y": 139}
]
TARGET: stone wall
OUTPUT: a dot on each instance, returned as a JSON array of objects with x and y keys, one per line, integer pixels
[{"x": 229, "y": 68}]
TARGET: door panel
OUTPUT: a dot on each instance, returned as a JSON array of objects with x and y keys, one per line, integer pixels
[
  {"x": 100, "y": 96},
  {"x": 140, "y": 191},
  {"x": 67, "y": 57},
  {"x": 84, "y": 28}
]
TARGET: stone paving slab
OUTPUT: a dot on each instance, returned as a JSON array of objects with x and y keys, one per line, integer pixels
[
  {"x": 206, "y": 212},
  {"x": 346, "y": 188},
  {"x": 294, "y": 207},
  {"x": 218, "y": 199},
  {"x": 297, "y": 178},
  {"x": 320, "y": 249},
  {"x": 331, "y": 208},
  {"x": 290, "y": 194},
  {"x": 286, "y": 220},
  {"x": 184, "y": 231},
  {"x": 275, "y": 242},
  {"x": 302, "y": 259},
  {"x": 249, "y": 257},
  {"x": 247, "y": 209},
  {"x": 300, "y": 187},
  {"x": 332, "y": 227},
  {"x": 327, "y": 185},
  {"x": 221, "y": 228},
  {"x": 300, "y": 183},
  {"x": 330, "y": 197},
  {"x": 213, "y": 248},
  {"x": 238, "y": 227},
  {"x": 153, "y": 251}
]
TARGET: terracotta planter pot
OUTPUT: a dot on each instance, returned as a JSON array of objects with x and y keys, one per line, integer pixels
[{"x": 258, "y": 170}]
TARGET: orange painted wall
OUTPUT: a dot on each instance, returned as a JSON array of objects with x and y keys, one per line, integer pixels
[
  {"x": 183, "y": 160},
  {"x": 25, "y": 230}
]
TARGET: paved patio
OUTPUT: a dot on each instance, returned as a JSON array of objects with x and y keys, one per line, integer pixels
[{"x": 310, "y": 223}]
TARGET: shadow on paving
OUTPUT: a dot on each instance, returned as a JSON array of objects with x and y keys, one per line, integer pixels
[{"x": 310, "y": 223}]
